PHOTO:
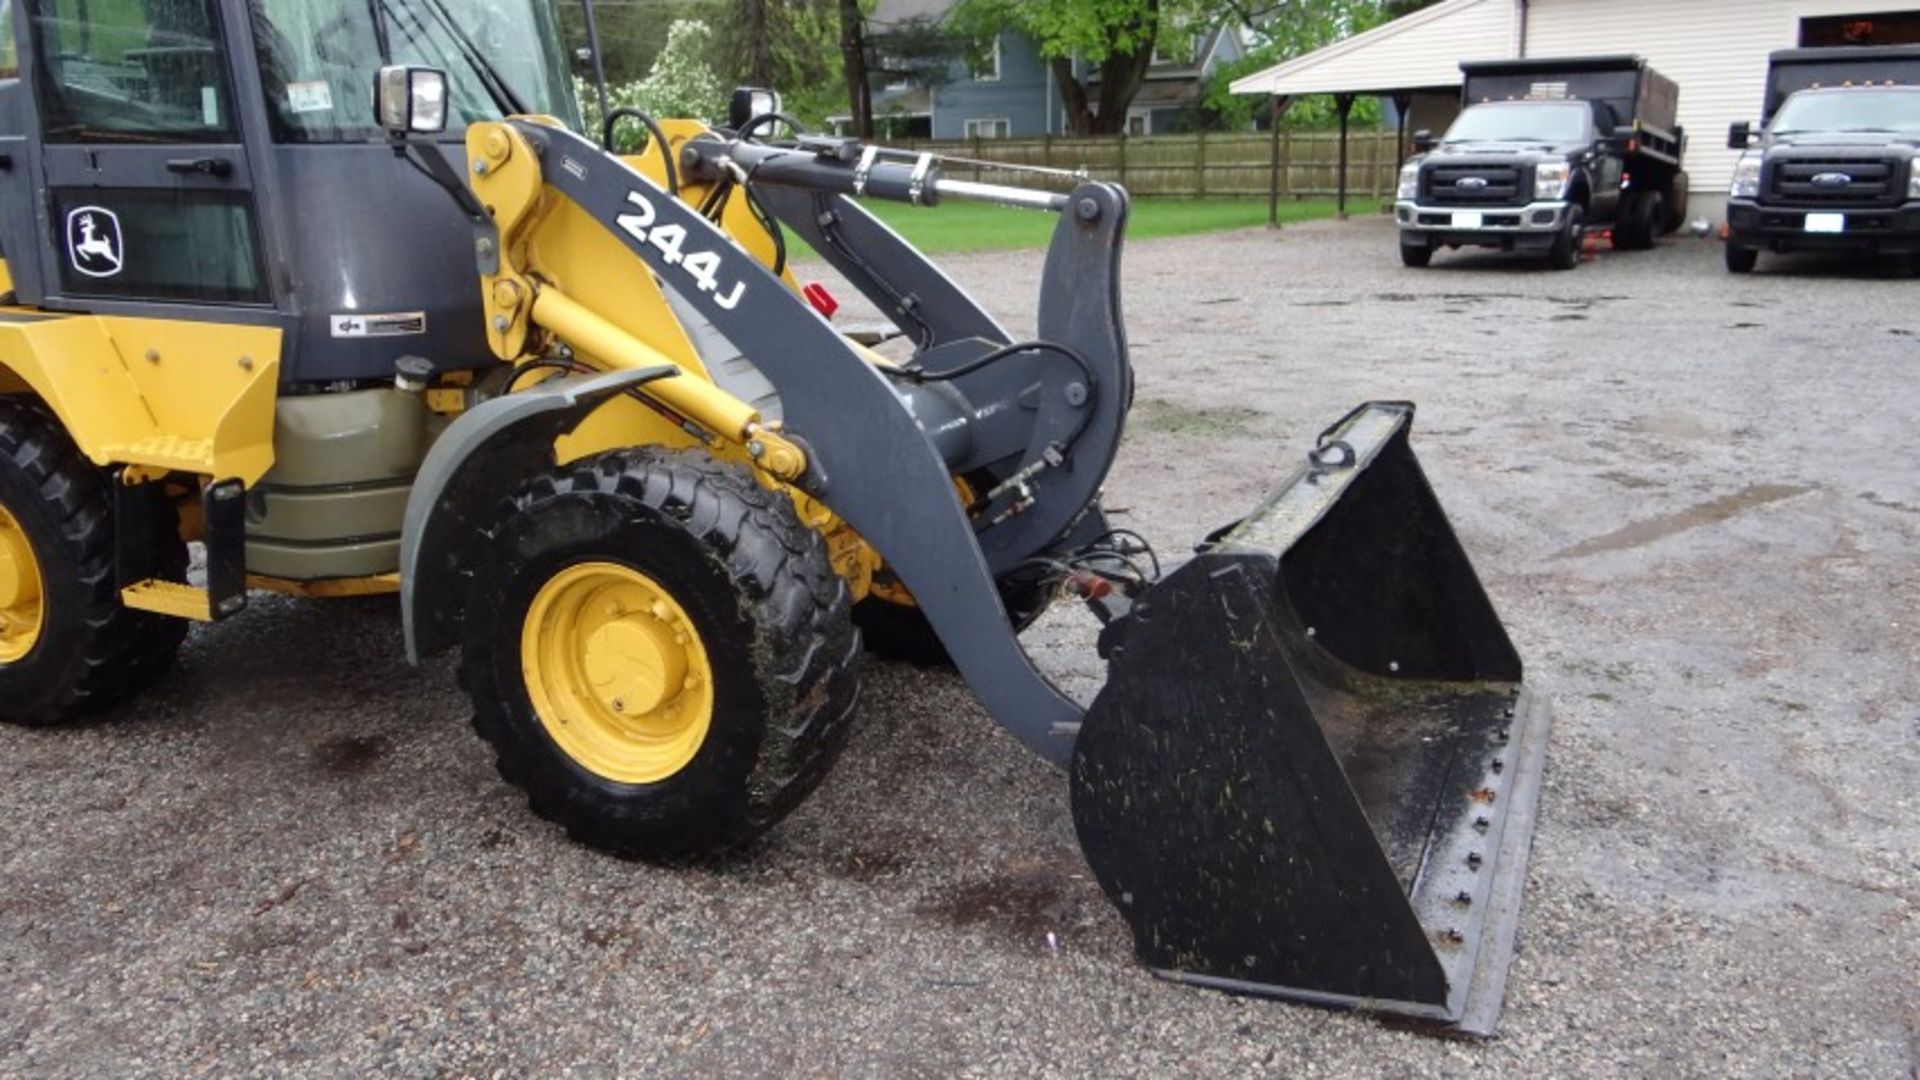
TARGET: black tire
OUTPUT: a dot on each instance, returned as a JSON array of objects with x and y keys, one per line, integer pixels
[
  {"x": 1741, "y": 260},
  {"x": 1639, "y": 224},
  {"x": 761, "y": 594},
  {"x": 1565, "y": 252},
  {"x": 900, "y": 632},
  {"x": 90, "y": 651},
  {"x": 1674, "y": 213},
  {"x": 1416, "y": 256}
]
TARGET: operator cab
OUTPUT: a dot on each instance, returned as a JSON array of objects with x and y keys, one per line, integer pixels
[{"x": 207, "y": 159}]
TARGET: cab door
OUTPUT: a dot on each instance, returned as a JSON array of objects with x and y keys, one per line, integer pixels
[{"x": 148, "y": 190}]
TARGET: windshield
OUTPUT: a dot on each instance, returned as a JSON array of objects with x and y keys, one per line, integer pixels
[
  {"x": 1522, "y": 122},
  {"x": 1880, "y": 111},
  {"x": 318, "y": 59}
]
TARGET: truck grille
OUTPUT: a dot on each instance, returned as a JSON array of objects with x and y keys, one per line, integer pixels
[
  {"x": 1485, "y": 185},
  {"x": 1837, "y": 181}
]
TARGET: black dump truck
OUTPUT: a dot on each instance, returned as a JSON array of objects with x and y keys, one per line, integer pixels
[
  {"x": 1544, "y": 150},
  {"x": 1832, "y": 165}
]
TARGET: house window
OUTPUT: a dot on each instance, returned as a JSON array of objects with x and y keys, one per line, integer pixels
[
  {"x": 895, "y": 69},
  {"x": 998, "y": 128},
  {"x": 1139, "y": 122},
  {"x": 985, "y": 67},
  {"x": 1177, "y": 50}
]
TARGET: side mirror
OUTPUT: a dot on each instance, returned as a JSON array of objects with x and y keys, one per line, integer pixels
[
  {"x": 1423, "y": 141},
  {"x": 1740, "y": 135},
  {"x": 749, "y": 102},
  {"x": 410, "y": 100},
  {"x": 1624, "y": 140}
]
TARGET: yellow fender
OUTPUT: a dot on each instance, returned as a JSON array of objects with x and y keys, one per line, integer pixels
[{"x": 163, "y": 394}]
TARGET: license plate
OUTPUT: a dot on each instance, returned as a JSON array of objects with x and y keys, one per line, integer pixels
[
  {"x": 1826, "y": 223},
  {"x": 1468, "y": 220}
]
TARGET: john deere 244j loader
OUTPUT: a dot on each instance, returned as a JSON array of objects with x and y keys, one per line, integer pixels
[{"x": 575, "y": 410}]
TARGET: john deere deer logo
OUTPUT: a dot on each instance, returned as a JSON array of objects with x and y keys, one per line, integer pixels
[{"x": 93, "y": 241}]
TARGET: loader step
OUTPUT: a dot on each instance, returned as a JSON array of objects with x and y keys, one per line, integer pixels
[
  {"x": 169, "y": 598},
  {"x": 165, "y": 452}
]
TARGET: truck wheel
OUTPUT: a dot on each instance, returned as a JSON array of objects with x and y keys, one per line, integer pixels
[
  {"x": 1565, "y": 252},
  {"x": 1679, "y": 190},
  {"x": 67, "y": 646},
  {"x": 1416, "y": 256},
  {"x": 1640, "y": 221},
  {"x": 1741, "y": 260},
  {"x": 659, "y": 652}
]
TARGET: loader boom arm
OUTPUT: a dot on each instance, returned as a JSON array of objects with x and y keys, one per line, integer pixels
[{"x": 867, "y": 453}]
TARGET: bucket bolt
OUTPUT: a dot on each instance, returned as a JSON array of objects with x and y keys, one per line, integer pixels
[{"x": 1474, "y": 860}]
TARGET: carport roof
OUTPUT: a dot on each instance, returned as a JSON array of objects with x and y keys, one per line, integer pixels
[{"x": 1421, "y": 51}]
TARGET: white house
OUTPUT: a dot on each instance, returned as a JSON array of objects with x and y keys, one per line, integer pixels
[{"x": 1715, "y": 49}]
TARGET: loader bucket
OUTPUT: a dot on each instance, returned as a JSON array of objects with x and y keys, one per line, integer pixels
[{"x": 1313, "y": 770}]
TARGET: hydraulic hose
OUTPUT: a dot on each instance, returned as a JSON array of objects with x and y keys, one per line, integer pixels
[{"x": 627, "y": 112}]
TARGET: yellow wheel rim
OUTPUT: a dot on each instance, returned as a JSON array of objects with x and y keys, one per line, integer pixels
[
  {"x": 617, "y": 672},
  {"x": 22, "y": 613}
]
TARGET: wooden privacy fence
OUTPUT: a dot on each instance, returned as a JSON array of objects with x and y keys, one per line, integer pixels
[{"x": 1201, "y": 165}]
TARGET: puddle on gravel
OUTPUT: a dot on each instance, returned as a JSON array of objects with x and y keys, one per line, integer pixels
[
  {"x": 1025, "y": 899},
  {"x": 1628, "y": 480},
  {"x": 1642, "y": 533},
  {"x": 350, "y": 755},
  {"x": 1168, "y": 418}
]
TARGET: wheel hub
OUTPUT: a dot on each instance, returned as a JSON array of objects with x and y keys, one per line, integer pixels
[
  {"x": 21, "y": 612},
  {"x": 616, "y": 672}
]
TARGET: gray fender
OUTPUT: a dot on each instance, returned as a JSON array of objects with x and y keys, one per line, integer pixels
[{"x": 482, "y": 457}]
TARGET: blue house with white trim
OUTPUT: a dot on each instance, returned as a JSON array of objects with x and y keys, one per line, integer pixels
[{"x": 1008, "y": 90}]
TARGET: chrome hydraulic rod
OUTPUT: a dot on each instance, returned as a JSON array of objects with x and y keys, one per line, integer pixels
[{"x": 847, "y": 168}]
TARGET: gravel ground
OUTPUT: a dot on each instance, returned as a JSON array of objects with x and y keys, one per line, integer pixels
[{"x": 1693, "y": 498}]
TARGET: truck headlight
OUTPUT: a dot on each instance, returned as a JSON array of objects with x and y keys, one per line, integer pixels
[
  {"x": 1410, "y": 181},
  {"x": 1913, "y": 179},
  {"x": 1550, "y": 179},
  {"x": 1746, "y": 178}
]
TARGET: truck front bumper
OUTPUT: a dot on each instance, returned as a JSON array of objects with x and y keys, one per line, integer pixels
[
  {"x": 1510, "y": 227},
  {"x": 1893, "y": 230}
]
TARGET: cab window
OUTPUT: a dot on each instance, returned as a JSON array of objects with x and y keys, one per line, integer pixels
[
  {"x": 318, "y": 59},
  {"x": 131, "y": 71}
]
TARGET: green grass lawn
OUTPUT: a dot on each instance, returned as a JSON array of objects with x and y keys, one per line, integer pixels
[{"x": 964, "y": 226}]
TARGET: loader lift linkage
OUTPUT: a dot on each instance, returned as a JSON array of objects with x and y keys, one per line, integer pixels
[
  {"x": 1328, "y": 672},
  {"x": 635, "y": 477}
]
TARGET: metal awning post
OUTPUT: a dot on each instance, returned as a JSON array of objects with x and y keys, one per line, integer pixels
[
  {"x": 1343, "y": 103},
  {"x": 1402, "y": 105},
  {"x": 1281, "y": 103}
]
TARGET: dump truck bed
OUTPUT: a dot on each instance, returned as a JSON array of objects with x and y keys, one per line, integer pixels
[{"x": 1628, "y": 91}]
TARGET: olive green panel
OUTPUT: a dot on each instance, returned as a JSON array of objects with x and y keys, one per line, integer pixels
[
  {"x": 321, "y": 440},
  {"x": 321, "y": 515},
  {"x": 333, "y": 503},
  {"x": 299, "y": 563}
]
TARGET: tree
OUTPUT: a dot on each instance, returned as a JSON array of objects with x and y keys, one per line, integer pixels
[
  {"x": 1098, "y": 50},
  {"x": 1283, "y": 29},
  {"x": 682, "y": 84},
  {"x": 853, "y": 61},
  {"x": 631, "y": 34}
]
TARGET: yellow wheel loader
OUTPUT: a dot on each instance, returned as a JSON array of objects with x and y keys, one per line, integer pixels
[{"x": 574, "y": 408}]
